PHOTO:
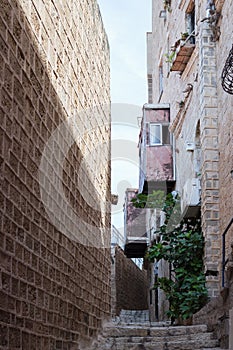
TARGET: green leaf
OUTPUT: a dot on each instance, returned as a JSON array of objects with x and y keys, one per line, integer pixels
[{"x": 181, "y": 245}]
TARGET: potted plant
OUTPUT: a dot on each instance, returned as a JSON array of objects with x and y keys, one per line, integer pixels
[
  {"x": 184, "y": 35},
  {"x": 167, "y": 5}
]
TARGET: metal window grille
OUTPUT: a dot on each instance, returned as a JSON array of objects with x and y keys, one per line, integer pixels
[{"x": 227, "y": 74}]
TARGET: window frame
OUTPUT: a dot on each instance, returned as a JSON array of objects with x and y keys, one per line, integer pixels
[
  {"x": 160, "y": 134},
  {"x": 190, "y": 18}
]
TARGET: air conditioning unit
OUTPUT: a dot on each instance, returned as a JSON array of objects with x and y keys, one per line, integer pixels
[{"x": 190, "y": 200}]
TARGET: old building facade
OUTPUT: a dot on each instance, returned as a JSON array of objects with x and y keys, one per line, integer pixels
[
  {"x": 187, "y": 51},
  {"x": 55, "y": 174}
]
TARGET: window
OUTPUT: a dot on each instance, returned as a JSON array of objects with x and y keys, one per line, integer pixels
[
  {"x": 190, "y": 23},
  {"x": 159, "y": 134},
  {"x": 155, "y": 134}
]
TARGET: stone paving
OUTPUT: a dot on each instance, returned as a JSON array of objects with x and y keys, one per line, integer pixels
[{"x": 126, "y": 334}]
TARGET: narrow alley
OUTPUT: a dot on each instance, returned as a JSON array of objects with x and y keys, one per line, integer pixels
[{"x": 70, "y": 278}]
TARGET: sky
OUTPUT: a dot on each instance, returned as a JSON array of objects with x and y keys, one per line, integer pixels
[{"x": 126, "y": 23}]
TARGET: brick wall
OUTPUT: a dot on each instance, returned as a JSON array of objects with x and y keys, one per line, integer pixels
[
  {"x": 129, "y": 287},
  {"x": 55, "y": 287}
]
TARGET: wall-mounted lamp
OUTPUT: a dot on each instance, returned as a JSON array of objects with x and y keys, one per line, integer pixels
[{"x": 163, "y": 14}]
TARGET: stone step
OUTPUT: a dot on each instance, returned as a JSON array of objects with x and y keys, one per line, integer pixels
[
  {"x": 134, "y": 312},
  {"x": 133, "y": 316},
  {"x": 144, "y": 330},
  {"x": 158, "y": 336},
  {"x": 185, "y": 344},
  {"x": 202, "y": 337},
  {"x": 182, "y": 345}
]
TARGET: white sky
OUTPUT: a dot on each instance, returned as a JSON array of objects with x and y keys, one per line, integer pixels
[{"x": 126, "y": 23}]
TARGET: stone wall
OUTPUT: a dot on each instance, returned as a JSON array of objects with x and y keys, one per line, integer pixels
[
  {"x": 225, "y": 102},
  {"x": 54, "y": 81},
  {"x": 129, "y": 287},
  {"x": 216, "y": 314},
  {"x": 206, "y": 113},
  {"x": 205, "y": 109},
  {"x": 210, "y": 158}
]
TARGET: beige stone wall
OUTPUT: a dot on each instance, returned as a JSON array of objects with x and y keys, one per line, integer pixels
[
  {"x": 217, "y": 314},
  {"x": 231, "y": 330},
  {"x": 129, "y": 284},
  {"x": 207, "y": 103},
  {"x": 225, "y": 103},
  {"x": 54, "y": 106}
]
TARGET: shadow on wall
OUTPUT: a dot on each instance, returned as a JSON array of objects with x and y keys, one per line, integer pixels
[{"x": 55, "y": 290}]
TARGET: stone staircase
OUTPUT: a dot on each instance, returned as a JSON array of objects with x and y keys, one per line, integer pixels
[
  {"x": 133, "y": 331},
  {"x": 133, "y": 316}
]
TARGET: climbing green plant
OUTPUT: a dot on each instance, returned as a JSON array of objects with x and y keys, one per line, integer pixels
[
  {"x": 154, "y": 200},
  {"x": 170, "y": 56},
  {"x": 181, "y": 244}
]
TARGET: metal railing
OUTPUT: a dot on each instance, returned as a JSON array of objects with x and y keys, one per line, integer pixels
[{"x": 224, "y": 260}]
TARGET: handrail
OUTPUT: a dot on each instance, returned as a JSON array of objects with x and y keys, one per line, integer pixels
[{"x": 224, "y": 260}]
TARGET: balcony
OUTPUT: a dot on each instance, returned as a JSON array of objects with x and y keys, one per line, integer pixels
[
  {"x": 181, "y": 53},
  {"x": 182, "y": 57},
  {"x": 155, "y": 149},
  {"x": 136, "y": 248},
  {"x": 136, "y": 240}
]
